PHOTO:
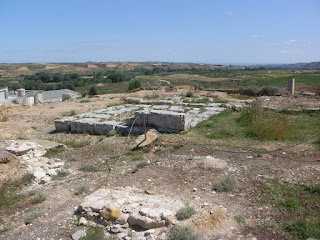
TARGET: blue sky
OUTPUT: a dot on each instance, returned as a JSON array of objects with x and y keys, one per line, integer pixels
[{"x": 200, "y": 31}]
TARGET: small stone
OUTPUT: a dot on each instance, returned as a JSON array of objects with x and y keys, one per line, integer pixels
[
  {"x": 122, "y": 235},
  {"x": 83, "y": 221},
  {"x": 149, "y": 232},
  {"x": 194, "y": 189},
  {"x": 78, "y": 234},
  {"x": 115, "y": 229},
  {"x": 122, "y": 219}
]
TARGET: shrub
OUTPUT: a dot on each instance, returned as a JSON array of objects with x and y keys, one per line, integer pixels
[
  {"x": 81, "y": 190},
  {"x": 186, "y": 212},
  {"x": 88, "y": 168},
  {"x": 38, "y": 198},
  {"x": 271, "y": 91},
  {"x": 226, "y": 184},
  {"x": 134, "y": 84},
  {"x": 27, "y": 178},
  {"x": 189, "y": 94},
  {"x": 139, "y": 165},
  {"x": 4, "y": 119},
  {"x": 32, "y": 216},
  {"x": 181, "y": 233},
  {"x": 72, "y": 113}
]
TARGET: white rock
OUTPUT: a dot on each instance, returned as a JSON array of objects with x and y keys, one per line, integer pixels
[
  {"x": 83, "y": 221},
  {"x": 78, "y": 234}
]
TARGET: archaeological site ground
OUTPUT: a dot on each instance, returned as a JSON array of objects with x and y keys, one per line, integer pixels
[{"x": 161, "y": 151}]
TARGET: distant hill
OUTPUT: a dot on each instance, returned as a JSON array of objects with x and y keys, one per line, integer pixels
[{"x": 298, "y": 66}]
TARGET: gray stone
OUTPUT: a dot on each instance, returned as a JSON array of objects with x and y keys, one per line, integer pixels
[
  {"x": 78, "y": 234},
  {"x": 145, "y": 222}
]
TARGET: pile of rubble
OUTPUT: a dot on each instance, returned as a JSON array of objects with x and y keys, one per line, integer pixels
[
  {"x": 129, "y": 213},
  {"x": 31, "y": 154},
  {"x": 169, "y": 116}
]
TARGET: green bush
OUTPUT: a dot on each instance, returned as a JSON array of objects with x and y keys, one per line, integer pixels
[
  {"x": 189, "y": 94},
  {"x": 226, "y": 184},
  {"x": 134, "y": 84},
  {"x": 182, "y": 233},
  {"x": 185, "y": 212}
]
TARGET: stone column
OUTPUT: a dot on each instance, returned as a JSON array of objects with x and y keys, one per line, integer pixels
[{"x": 291, "y": 83}]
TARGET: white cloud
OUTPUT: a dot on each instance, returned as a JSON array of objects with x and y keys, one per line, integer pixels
[
  {"x": 229, "y": 13},
  {"x": 290, "y": 42},
  {"x": 257, "y": 36},
  {"x": 283, "y": 51}
]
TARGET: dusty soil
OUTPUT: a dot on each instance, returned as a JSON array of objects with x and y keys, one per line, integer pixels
[{"x": 178, "y": 167}]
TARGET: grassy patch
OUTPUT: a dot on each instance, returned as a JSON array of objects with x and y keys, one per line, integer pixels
[
  {"x": 8, "y": 197},
  {"x": 186, "y": 212},
  {"x": 298, "y": 206},
  {"x": 75, "y": 144},
  {"x": 181, "y": 233},
  {"x": 84, "y": 101},
  {"x": 153, "y": 96},
  {"x": 95, "y": 234},
  {"x": 53, "y": 152},
  {"x": 88, "y": 168},
  {"x": 240, "y": 219},
  {"x": 304, "y": 228},
  {"x": 81, "y": 190},
  {"x": 226, "y": 184},
  {"x": 223, "y": 125},
  {"x": 34, "y": 128},
  {"x": 60, "y": 174},
  {"x": 313, "y": 188},
  {"x": 263, "y": 124}
]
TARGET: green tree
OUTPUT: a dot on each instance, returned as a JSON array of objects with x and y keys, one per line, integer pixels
[{"x": 93, "y": 91}]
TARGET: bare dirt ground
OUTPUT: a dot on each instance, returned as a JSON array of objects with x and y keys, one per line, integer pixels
[{"x": 178, "y": 167}]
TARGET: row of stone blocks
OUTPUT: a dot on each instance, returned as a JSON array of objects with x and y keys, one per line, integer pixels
[{"x": 163, "y": 121}]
